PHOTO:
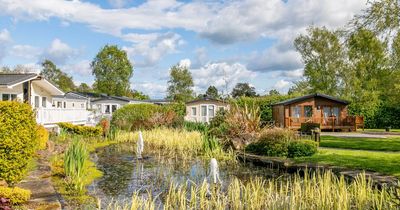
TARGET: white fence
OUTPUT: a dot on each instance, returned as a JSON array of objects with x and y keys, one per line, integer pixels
[{"x": 51, "y": 116}]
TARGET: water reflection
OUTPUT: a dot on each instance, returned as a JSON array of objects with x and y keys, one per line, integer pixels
[{"x": 124, "y": 174}]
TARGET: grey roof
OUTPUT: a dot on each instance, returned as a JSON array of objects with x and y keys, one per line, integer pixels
[
  {"x": 118, "y": 98},
  {"x": 11, "y": 79},
  {"x": 315, "y": 95},
  {"x": 70, "y": 96},
  {"x": 87, "y": 94},
  {"x": 205, "y": 99},
  {"x": 158, "y": 101}
]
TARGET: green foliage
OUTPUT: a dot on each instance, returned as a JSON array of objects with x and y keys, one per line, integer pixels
[
  {"x": 87, "y": 131},
  {"x": 56, "y": 76},
  {"x": 195, "y": 126},
  {"x": 112, "y": 70},
  {"x": 264, "y": 103},
  {"x": 43, "y": 137},
  {"x": 218, "y": 127},
  {"x": 83, "y": 87},
  {"x": 74, "y": 160},
  {"x": 302, "y": 148},
  {"x": 212, "y": 92},
  {"x": 243, "y": 90},
  {"x": 272, "y": 142},
  {"x": 180, "y": 84},
  {"x": 18, "y": 136},
  {"x": 308, "y": 127},
  {"x": 137, "y": 95},
  {"x": 16, "y": 195}
]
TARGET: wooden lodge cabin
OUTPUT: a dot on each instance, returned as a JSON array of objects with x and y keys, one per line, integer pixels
[{"x": 330, "y": 112}]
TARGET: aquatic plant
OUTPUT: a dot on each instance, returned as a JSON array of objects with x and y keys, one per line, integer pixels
[
  {"x": 74, "y": 160},
  {"x": 313, "y": 191}
]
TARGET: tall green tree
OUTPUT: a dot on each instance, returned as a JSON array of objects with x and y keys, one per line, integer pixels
[
  {"x": 137, "y": 95},
  {"x": 273, "y": 92},
  {"x": 56, "y": 76},
  {"x": 243, "y": 89},
  {"x": 323, "y": 56},
  {"x": 180, "y": 84},
  {"x": 212, "y": 92},
  {"x": 301, "y": 87},
  {"x": 83, "y": 87},
  {"x": 112, "y": 70}
]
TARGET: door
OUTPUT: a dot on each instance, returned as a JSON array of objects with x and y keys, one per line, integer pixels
[{"x": 336, "y": 113}]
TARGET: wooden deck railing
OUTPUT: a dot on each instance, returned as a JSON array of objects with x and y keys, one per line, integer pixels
[{"x": 351, "y": 122}]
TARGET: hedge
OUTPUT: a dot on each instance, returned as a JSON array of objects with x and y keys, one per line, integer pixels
[
  {"x": 87, "y": 131},
  {"x": 302, "y": 148},
  {"x": 16, "y": 195},
  {"x": 18, "y": 140}
]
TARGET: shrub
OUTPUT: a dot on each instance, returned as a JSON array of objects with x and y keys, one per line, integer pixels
[
  {"x": 15, "y": 195},
  {"x": 18, "y": 136},
  {"x": 308, "y": 127},
  {"x": 87, "y": 131},
  {"x": 43, "y": 137},
  {"x": 272, "y": 142},
  {"x": 105, "y": 125},
  {"x": 195, "y": 126},
  {"x": 218, "y": 127},
  {"x": 302, "y": 148}
]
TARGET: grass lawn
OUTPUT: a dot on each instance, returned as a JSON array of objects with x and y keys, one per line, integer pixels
[
  {"x": 378, "y": 144},
  {"x": 381, "y": 130},
  {"x": 383, "y": 162}
]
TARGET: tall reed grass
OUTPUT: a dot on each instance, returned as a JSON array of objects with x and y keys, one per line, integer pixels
[
  {"x": 74, "y": 160},
  {"x": 317, "y": 191}
]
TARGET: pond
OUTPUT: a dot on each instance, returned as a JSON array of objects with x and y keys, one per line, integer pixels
[{"x": 124, "y": 174}]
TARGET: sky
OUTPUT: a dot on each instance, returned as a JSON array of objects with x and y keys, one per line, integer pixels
[{"x": 223, "y": 42}]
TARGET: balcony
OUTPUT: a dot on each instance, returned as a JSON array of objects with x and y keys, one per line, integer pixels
[
  {"x": 51, "y": 116},
  {"x": 346, "y": 123}
]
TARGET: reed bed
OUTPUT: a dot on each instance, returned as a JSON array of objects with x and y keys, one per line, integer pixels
[
  {"x": 317, "y": 191},
  {"x": 74, "y": 160}
]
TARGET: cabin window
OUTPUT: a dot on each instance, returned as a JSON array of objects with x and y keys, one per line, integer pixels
[
  {"x": 107, "y": 109},
  {"x": 9, "y": 97},
  {"x": 327, "y": 112},
  {"x": 194, "y": 111},
  {"x": 37, "y": 99},
  {"x": 308, "y": 111},
  {"x": 113, "y": 108},
  {"x": 44, "y": 99},
  {"x": 211, "y": 110},
  {"x": 296, "y": 111}
]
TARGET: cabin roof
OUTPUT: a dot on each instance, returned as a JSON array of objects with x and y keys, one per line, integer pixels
[
  {"x": 315, "y": 95},
  {"x": 205, "y": 99},
  {"x": 12, "y": 79}
]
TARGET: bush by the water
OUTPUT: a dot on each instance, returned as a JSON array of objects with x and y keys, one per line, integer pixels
[
  {"x": 302, "y": 148},
  {"x": 15, "y": 195},
  {"x": 87, "y": 131},
  {"x": 279, "y": 142},
  {"x": 146, "y": 116},
  {"x": 43, "y": 137},
  {"x": 19, "y": 139},
  {"x": 195, "y": 126}
]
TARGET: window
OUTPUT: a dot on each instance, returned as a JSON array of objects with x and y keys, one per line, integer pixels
[
  {"x": 327, "y": 111},
  {"x": 82, "y": 106},
  {"x": 107, "y": 109},
  {"x": 113, "y": 108},
  {"x": 59, "y": 104},
  {"x": 44, "y": 99},
  {"x": 194, "y": 111},
  {"x": 65, "y": 105},
  {"x": 211, "y": 110},
  {"x": 8, "y": 97},
  {"x": 308, "y": 111},
  {"x": 73, "y": 104},
  {"x": 203, "y": 111},
  {"x": 295, "y": 111},
  {"x": 37, "y": 99}
]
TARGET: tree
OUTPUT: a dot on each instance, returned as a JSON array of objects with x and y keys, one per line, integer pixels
[
  {"x": 300, "y": 88},
  {"x": 212, "y": 92},
  {"x": 56, "y": 76},
  {"x": 137, "y": 95},
  {"x": 273, "y": 92},
  {"x": 180, "y": 84},
  {"x": 243, "y": 89},
  {"x": 112, "y": 70},
  {"x": 83, "y": 87},
  {"x": 323, "y": 57}
]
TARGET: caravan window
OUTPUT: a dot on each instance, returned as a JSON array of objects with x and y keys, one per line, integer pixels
[{"x": 44, "y": 99}]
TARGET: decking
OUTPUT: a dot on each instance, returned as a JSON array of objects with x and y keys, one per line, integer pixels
[{"x": 349, "y": 123}]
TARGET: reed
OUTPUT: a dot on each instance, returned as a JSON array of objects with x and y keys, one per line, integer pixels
[
  {"x": 316, "y": 191},
  {"x": 74, "y": 160}
]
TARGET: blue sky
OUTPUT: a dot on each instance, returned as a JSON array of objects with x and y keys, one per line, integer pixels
[{"x": 223, "y": 42}]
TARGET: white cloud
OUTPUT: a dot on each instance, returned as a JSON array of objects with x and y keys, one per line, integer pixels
[
  {"x": 281, "y": 85},
  {"x": 25, "y": 51},
  {"x": 59, "y": 52},
  {"x": 5, "y": 40},
  {"x": 153, "y": 89},
  {"x": 222, "y": 75},
  {"x": 147, "y": 50},
  {"x": 82, "y": 68},
  {"x": 293, "y": 73},
  {"x": 185, "y": 63}
]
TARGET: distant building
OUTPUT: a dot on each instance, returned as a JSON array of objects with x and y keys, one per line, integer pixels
[{"x": 204, "y": 109}]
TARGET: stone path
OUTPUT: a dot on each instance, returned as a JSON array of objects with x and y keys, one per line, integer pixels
[{"x": 43, "y": 196}]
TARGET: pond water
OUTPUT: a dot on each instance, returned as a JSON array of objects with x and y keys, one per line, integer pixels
[{"x": 123, "y": 174}]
